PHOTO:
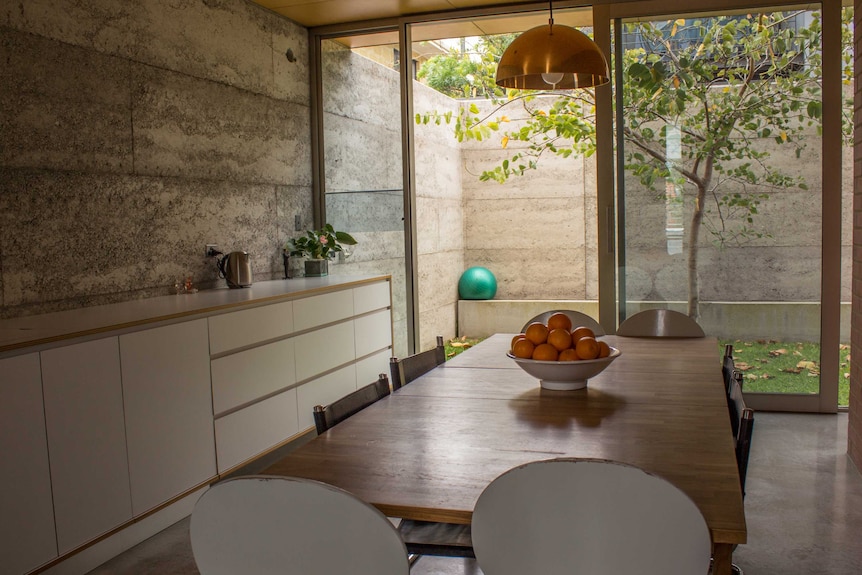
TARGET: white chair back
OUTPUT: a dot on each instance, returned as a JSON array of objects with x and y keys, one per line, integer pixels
[
  {"x": 660, "y": 323},
  {"x": 260, "y": 525},
  {"x": 587, "y": 516}
]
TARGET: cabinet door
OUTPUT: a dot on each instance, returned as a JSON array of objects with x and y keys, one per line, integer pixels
[
  {"x": 86, "y": 440},
  {"x": 322, "y": 391},
  {"x": 248, "y": 432},
  {"x": 169, "y": 418},
  {"x": 27, "y": 536},
  {"x": 373, "y": 332}
]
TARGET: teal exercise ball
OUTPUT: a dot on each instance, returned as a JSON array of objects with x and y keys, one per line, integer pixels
[{"x": 477, "y": 283}]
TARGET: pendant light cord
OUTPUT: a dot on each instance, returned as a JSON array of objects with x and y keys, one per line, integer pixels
[{"x": 551, "y": 19}]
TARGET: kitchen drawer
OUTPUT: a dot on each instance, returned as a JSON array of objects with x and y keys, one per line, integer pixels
[
  {"x": 244, "y": 328},
  {"x": 255, "y": 429},
  {"x": 371, "y": 297},
  {"x": 322, "y": 309},
  {"x": 243, "y": 377},
  {"x": 324, "y": 349},
  {"x": 323, "y": 391},
  {"x": 373, "y": 332},
  {"x": 369, "y": 368}
]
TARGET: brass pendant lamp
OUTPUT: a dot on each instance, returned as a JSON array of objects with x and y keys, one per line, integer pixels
[{"x": 552, "y": 58}]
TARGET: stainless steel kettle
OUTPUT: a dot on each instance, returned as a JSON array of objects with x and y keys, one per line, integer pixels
[{"x": 235, "y": 268}]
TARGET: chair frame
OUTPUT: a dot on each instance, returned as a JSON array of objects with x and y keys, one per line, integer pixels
[
  {"x": 327, "y": 416},
  {"x": 406, "y": 369}
]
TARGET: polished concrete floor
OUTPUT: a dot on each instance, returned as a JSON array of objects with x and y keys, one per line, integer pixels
[{"x": 803, "y": 508}]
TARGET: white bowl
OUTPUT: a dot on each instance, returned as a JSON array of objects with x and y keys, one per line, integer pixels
[{"x": 565, "y": 375}]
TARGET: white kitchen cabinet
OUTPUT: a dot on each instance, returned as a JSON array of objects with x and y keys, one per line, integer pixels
[
  {"x": 86, "y": 440},
  {"x": 248, "y": 327},
  {"x": 243, "y": 434},
  {"x": 373, "y": 332},
  {"x": 324, "y": 349},
  {"x": 314, "y": 311},
  {"x": 244, "y": 377},
  {"x": 369, "y": 368},
  {"x": 169, "y": 418},
  {"x": 27, "y": 537}
]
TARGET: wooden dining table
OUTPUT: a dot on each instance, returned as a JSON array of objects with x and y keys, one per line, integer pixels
[{"x": 428, "y": 450}]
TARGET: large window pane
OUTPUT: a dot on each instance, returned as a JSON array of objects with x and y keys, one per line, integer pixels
[{"x": 722, "y": 190}]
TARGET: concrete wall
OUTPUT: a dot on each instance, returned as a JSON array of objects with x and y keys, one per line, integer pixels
[
  {"x": 854, "y": 432},
  {"x": 133, "y": 133},
  {"x": 364, "y": 185},
  {"x": 537, "y": 233}
]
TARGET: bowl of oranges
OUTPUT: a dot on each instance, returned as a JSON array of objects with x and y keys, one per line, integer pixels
[{"x": 561, "y": 356}]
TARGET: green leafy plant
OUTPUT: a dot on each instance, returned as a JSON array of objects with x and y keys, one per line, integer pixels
[{"x": 319, "y": 244}]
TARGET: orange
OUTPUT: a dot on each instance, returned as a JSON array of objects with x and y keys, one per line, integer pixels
[
  {"x": 587, "y": 348},
  {"x": 568, "y": 355},
  {"x": 516, "y": 338},
  {"x": 523, "y": 348},
  {"x": 537, "y": 332},
  {"x": 604, "y": 349},
  {"x": 545, "y": 352},
  {"x": 581, "y": 331},
  {"x": 560, "y": 338},
  {"x": 561, "y": 321}
]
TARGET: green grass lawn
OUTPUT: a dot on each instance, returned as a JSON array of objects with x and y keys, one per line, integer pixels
[
  {"x": 767, "y": 366},
  {"x": 786, "y": 367}
]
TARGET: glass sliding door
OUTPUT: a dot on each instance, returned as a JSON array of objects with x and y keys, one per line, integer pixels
[
  {"x": 361, "y": 166},
  {"x": 728, "y": 190}
]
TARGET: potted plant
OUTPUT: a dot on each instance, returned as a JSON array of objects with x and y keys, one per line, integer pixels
[{"x": 319, "y": 246}]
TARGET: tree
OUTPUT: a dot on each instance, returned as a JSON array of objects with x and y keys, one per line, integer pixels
[
  {"x": 716, "y": 88},
  {"x": 465, "y": 74}
]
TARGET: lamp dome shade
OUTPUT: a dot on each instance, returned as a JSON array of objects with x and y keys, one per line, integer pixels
[{"x": 552, "y": 57}]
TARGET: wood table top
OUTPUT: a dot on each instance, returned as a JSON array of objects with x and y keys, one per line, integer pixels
[{"x": 428, "y": 450}]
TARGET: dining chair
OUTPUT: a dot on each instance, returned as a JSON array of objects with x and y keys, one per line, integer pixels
[
  {"x": 265, "y": 525},
  {"x": 325, "y": 416},
  {"x": 728, "y": 367},
  {"x": 406, "y": 369},
  {"x": 660, "y": 323},
  {"x": 587, "y": 516},
  {"x": 428, "y": 537},
  {"x": 742, "y": 426},
  {"x": 578, "y": 318}
]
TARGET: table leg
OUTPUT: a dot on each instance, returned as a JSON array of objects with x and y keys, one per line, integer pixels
[{"x": 721, "y": 558}]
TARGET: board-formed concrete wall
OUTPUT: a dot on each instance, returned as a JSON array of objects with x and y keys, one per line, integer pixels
[
  {"x": 364, "y": 189},
  {"x": 133, "y": 133}
]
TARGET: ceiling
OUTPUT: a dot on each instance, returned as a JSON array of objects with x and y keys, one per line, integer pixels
[{"x": 313, "y": 13}]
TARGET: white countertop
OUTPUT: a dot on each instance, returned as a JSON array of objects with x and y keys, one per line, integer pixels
[{"x": 38, "y": 330}]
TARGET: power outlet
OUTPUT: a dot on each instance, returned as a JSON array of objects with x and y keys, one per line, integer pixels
[{"x": 211, "y": 251}]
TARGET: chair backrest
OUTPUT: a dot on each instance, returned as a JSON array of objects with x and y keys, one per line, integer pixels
[
  {"x": 406, "y": 369},
  {"x": 587, "y": 516},
  {"x": 660, "y": 323},
  {"x": 263, "y": 525},
  {"x": 728, "y": 368},
  {"x": 578, "y": 318},
  {"x": 742, "y": 426},
  {"x": 325, "y": 416}
]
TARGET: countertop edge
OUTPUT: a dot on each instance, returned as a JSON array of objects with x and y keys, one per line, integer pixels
[{"x": 18, "y": 335}]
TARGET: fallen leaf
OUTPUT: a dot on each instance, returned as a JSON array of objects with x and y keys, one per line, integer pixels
[
  {"x": 456, "y": 344},
  {"x": 795, "y": 370},
  {"x": 742, "y": 366},
  {"x": 778, "y": 352},
  {"x": 767, "y": 376},
  {"x": 750, "y": 377},
  {"x": 809, "y": 365},
  {"x": 797, "y": 353},
  {"x": 846, "y": 375}
]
